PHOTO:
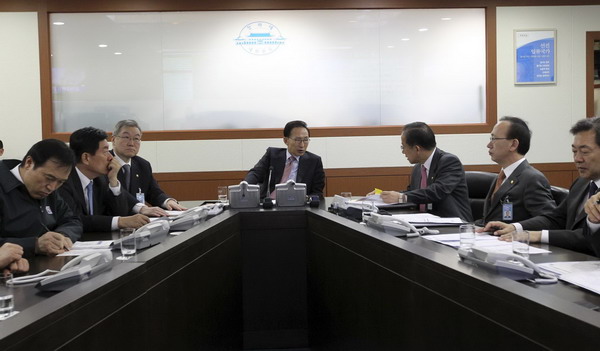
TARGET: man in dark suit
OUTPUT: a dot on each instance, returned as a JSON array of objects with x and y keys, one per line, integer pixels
[
  {"x": 520, "y": 191},
  {"x": 437, "y": 183},
  {"x": 136, "y": 173},
  {"x": 302, "y": 166},
  {"x": 564, "y": 226},
  {"x": 95, "y": 176},
  {"x": 33, "y": 215}
]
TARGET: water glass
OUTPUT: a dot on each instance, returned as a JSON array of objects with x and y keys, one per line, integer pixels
[
  {"x": 128, "y": 246},
  {"x": 467, "y": 236},
  {"x": 520, "y": 243},
  {"x": 222, "y": 193},
  {"x": 7, "y": 303}
]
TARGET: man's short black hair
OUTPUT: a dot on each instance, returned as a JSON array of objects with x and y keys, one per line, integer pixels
[
  {"x": 1, "y": 145},
  {"x": 419, "y": 133},
  {"x": 86, "y": 140},
  {"x": 50, "y": 149},
  {"x": 294, "y": 124},
  {"x": 519, "y": 130},
  {"x": 586, "y": 124}
]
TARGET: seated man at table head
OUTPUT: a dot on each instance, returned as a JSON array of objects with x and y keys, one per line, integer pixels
[
  {"x": 293, "y": 162},
  {"x": 519, "y": 188},
  {"x": 564, "y": 226},
  {"x": 11, "y": 258},
  {"x": 437, "y": 183},
  {"x": 93, "y": 190},
  {"x": 32, "y": 213},
  {"x": 136, "y": 173}
]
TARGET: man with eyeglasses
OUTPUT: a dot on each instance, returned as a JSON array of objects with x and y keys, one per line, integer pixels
[
  {"x": 520, "y": 191},
  {"x": 93, "y": 191},
  {"x": 33, "y": 215},
  {"x": 293, "y": 162},
  {"x": 565, "y": 225},
  {"x": 136, "y": 172},
  {"x": 437, "y": 183}
]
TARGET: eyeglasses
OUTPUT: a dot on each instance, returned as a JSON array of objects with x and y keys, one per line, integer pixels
[
  {"x": 127, "y": 138},
  {"x": 492, "y": 139},
  {"x": 301, "y": 140}
]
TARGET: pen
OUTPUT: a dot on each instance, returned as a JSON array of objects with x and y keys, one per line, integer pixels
[{"x": 48, "y": 230}]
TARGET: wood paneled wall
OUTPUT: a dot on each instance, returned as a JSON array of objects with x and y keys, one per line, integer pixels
[{"x": 359, "y": 181}]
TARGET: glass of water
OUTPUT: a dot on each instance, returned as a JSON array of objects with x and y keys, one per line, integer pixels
[
  {"x": 128, "y": 243},
  {"x": 520, "y": 243},
  {"x": 467, "y": 236},
  {"x": 7, "y": 303},
  {"x": 222, "y": 193}
]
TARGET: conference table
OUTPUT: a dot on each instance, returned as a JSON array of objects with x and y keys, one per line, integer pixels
[{"x": 300, "y": 277}]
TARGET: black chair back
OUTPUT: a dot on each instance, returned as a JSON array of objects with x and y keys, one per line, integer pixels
[{"x": 479, "y": 184}]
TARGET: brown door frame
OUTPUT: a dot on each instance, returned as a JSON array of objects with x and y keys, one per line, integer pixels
[{"x": 590, "y": 37}]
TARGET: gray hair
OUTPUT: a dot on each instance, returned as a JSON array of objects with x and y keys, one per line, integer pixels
[{"x": 125, "y": 123}]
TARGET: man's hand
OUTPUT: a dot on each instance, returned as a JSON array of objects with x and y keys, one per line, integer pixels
[
  {"x": 153, "y": 211},
  {"x": 134, "y": 221},
  {"x": 52, "y": 243},
  {"x": 592, "y": 208},
  {"x": 113, "y": 171},
  {"x": 534, "y": 237},
  {"x": 9, "y": 253},
  {"x": 498, "y": 228},
  {"x": 20, "y": 265},
  {"x": 391, "y": 197},
  {"x": 172, "y": 205}
]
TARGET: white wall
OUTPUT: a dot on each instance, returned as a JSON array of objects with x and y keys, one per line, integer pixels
[{"x": 549, "y": 109}]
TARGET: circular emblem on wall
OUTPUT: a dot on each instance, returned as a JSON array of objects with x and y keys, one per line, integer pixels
[{"x": 260, "y": 38}]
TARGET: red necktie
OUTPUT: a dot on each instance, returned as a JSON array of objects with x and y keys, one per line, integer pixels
[
  {"x": 501, "y": 177},
  {"x": 423, "y": 207},
  {"x": 286, "y": 173}
]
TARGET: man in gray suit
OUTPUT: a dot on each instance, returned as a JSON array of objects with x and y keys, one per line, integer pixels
[
  {"x": 520, "y": 191},
  {"x": 437, "y": 183},
  {"x": 564, "y": 226}
]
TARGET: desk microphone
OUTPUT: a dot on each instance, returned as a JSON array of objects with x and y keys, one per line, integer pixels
[{"x": 267, "y": 201}]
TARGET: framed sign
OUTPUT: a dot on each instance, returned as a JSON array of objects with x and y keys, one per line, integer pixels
[{"x": 535, "y": 56}]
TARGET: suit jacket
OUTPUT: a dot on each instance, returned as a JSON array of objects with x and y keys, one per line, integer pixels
[
  {"x": 141, "y": 178},
  {"x": 310, "y": 171},
  {"x": 106, "y": 205},
  {"x": 22, "y": 222},
  {"x": 446, "y": 187},
  {"x": 527, "y": 189},
  {"x": 565, "y": 223}
]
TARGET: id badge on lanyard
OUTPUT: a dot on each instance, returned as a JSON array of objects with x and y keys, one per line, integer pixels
[{"x": 507, "y": 210}]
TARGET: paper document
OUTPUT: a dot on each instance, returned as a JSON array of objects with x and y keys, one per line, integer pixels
[
  {"x": 427, "y": 219},
  {"x": 174, "y": 213},
  {"x": 87, "y": 247},
  {"x": 585, "y": 274},
  {"x": 375, "y": 199},
  {"x": 484, "y": 241}
]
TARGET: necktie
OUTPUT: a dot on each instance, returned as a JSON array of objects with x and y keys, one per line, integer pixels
[
  {"x": 90, "y": 197},
  {"x": 593, "y": 189},
  {"x": 501, "y": 177},
  {"x": 423, "y": 185},
  {"x": 289, "y": 163},
  {"x": 127, "y": 171}
]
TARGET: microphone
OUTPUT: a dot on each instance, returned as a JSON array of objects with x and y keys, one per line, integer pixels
[{"x": 267, "y": 201}]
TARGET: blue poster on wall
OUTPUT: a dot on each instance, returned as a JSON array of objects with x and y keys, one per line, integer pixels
[{"x": 535, "y": 57}]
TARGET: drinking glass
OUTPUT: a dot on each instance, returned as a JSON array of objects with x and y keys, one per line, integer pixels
[
  {"x": 520, "y": 243},
  {"x": 128, "y": 247},
  {"x": 467, "y": 236},
  {"x": 6, "y": 297},
  {"x": 222, "y": 193}
]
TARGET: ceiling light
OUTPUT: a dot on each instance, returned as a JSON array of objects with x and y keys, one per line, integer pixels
[
  {"x": 405, "y": 39},
  {"x": 423, "y": 29},
  {"x": 446, "y": 18},
  {"x": 58, "y": 23},
  {"x": 118, "y": 53},
  {"x": 102, "y": 45}
]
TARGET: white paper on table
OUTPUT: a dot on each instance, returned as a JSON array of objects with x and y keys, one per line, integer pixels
[
  {"x": 561, "y": 268},
  {"x": 82, "y": 252},
  {"x": 428, "y": 219},
  {"x": 589, "y": 280},
  {"x": 486, "y": 241}
]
